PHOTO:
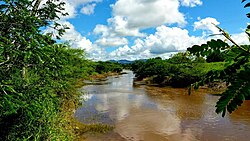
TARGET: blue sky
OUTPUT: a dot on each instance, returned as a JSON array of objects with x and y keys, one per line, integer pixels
[{"x": 139, "y": 29}]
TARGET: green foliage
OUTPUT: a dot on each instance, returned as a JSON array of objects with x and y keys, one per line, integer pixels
[
  {"x": 216, "y": 57},
  {"x": 237, "y": 62},
  {"x": 168, "y": 72},
  {"x": 235, "y": 72},
  {"x": 36, "y": 74},
  {"x": 33, "y": 102},
  {"x": 246, "y": 6},
  {"x": 214, "y": 50},
  {"x": 199, "y": 60},
  {"x": 151, "y": 67},
  {"x": 190, "y": 73},
  {"x": 179, "y": 58},
  {"x": 105, "y": 67}
]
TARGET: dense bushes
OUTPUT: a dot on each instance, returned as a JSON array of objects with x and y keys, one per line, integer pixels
[
  {"x": 104, "y": 67},
  {"x": 167, "y": 72},
  {"x": 37, "y": 75},
  {"x": 30, "y": 105}
]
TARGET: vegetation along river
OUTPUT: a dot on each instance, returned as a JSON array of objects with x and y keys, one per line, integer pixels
[{"x": 148, "y": 113}]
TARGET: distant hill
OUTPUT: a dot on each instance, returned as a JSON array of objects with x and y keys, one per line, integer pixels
[
  {"x": 127, "y": 61},
  {"x": 122, "y": 61}
]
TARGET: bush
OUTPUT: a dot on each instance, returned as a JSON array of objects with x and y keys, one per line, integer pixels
[
  {"x": 181, "y": 74},
  {"x": 105, "y": 67},
  {"x": 36, "y": 74}
]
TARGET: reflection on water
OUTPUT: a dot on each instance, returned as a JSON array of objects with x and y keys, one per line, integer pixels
[{"x": 159, "y": 114}]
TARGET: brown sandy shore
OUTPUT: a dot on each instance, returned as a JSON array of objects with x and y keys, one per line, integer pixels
[
  {"x": 74, "y": 127},
  {"x": 215, "y": 88}
]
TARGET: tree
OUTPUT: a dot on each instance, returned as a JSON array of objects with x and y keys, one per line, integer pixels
[
  {"x": 235, "y": 73},
  {"x": 215, "y": 57},
  {"x": 22, "y": 45},
  {"x": 33, "y": 69},
  {"x": 179, "y": 58}
]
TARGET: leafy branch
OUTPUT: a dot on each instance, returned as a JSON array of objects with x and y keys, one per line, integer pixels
[
  {"x": 234, "y": 74},
  {"x": 227, "y": 36}
]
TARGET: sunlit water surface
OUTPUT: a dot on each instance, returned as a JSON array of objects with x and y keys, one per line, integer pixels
[{"x": 147, "y": 113}]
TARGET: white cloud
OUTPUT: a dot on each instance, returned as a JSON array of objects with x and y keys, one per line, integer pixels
[
  {"x": 71, "y": 7},
  {"x": 88, "y": 9},
  {"x": 148, "y": 13},
  {"x": 164, "y": 42},
  {"x": 120, "y": 27},
  {"x": 117, "y": 26},
  {"x": 207, "y": 26},
  {"x": 131, "y": 16},
  {"x": 127, "y": 53},
  {"x": 208, "y": 29},
  {"x": 112, "y": 42},
  {"x": 76, "y": 40},
  {"x": 138, "y": 47},
  {"x": 121, "y": 51},
  {"x": 137, "y": 51},
  {"x": 241, "y": 38},
  {"x": 191, "y": 3},
  {"x": 168, "y": 39},
  {"x": 103, "y": 30}
]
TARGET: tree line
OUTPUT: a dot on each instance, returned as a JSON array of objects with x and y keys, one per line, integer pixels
[{"x": 181, "y": 70}]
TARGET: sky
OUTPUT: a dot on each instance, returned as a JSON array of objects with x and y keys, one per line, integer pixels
[{"x": 141, "y": 29}]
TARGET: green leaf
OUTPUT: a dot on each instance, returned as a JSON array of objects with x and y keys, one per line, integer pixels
[
  {"x": 224, "y": 112},
  {"x": 248, "y": 15},
  {"x": 10, "y": 89},
  {"x": 247, "y": 5},
  {"x": 2, "y": 6},
  {"x": 40, "y": 59}
]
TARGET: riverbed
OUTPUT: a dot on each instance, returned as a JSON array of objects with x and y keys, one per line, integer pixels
[{"x": 150, "y": 113}]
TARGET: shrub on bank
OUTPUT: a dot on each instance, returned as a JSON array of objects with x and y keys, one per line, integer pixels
[
  {"x": 181, "y": 74},
  {"x": 37, "y": 74}
]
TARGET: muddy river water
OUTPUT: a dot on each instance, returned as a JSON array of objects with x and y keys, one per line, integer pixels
[{"x": 148, "y": 113}]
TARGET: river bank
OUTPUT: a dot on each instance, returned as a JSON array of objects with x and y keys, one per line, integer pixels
[
  {"x": 76, "y": 129},
  {"x": 215, "y": 88}
]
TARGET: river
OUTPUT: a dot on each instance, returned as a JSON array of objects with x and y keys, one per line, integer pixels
[{"x": 148, "y": 113}]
